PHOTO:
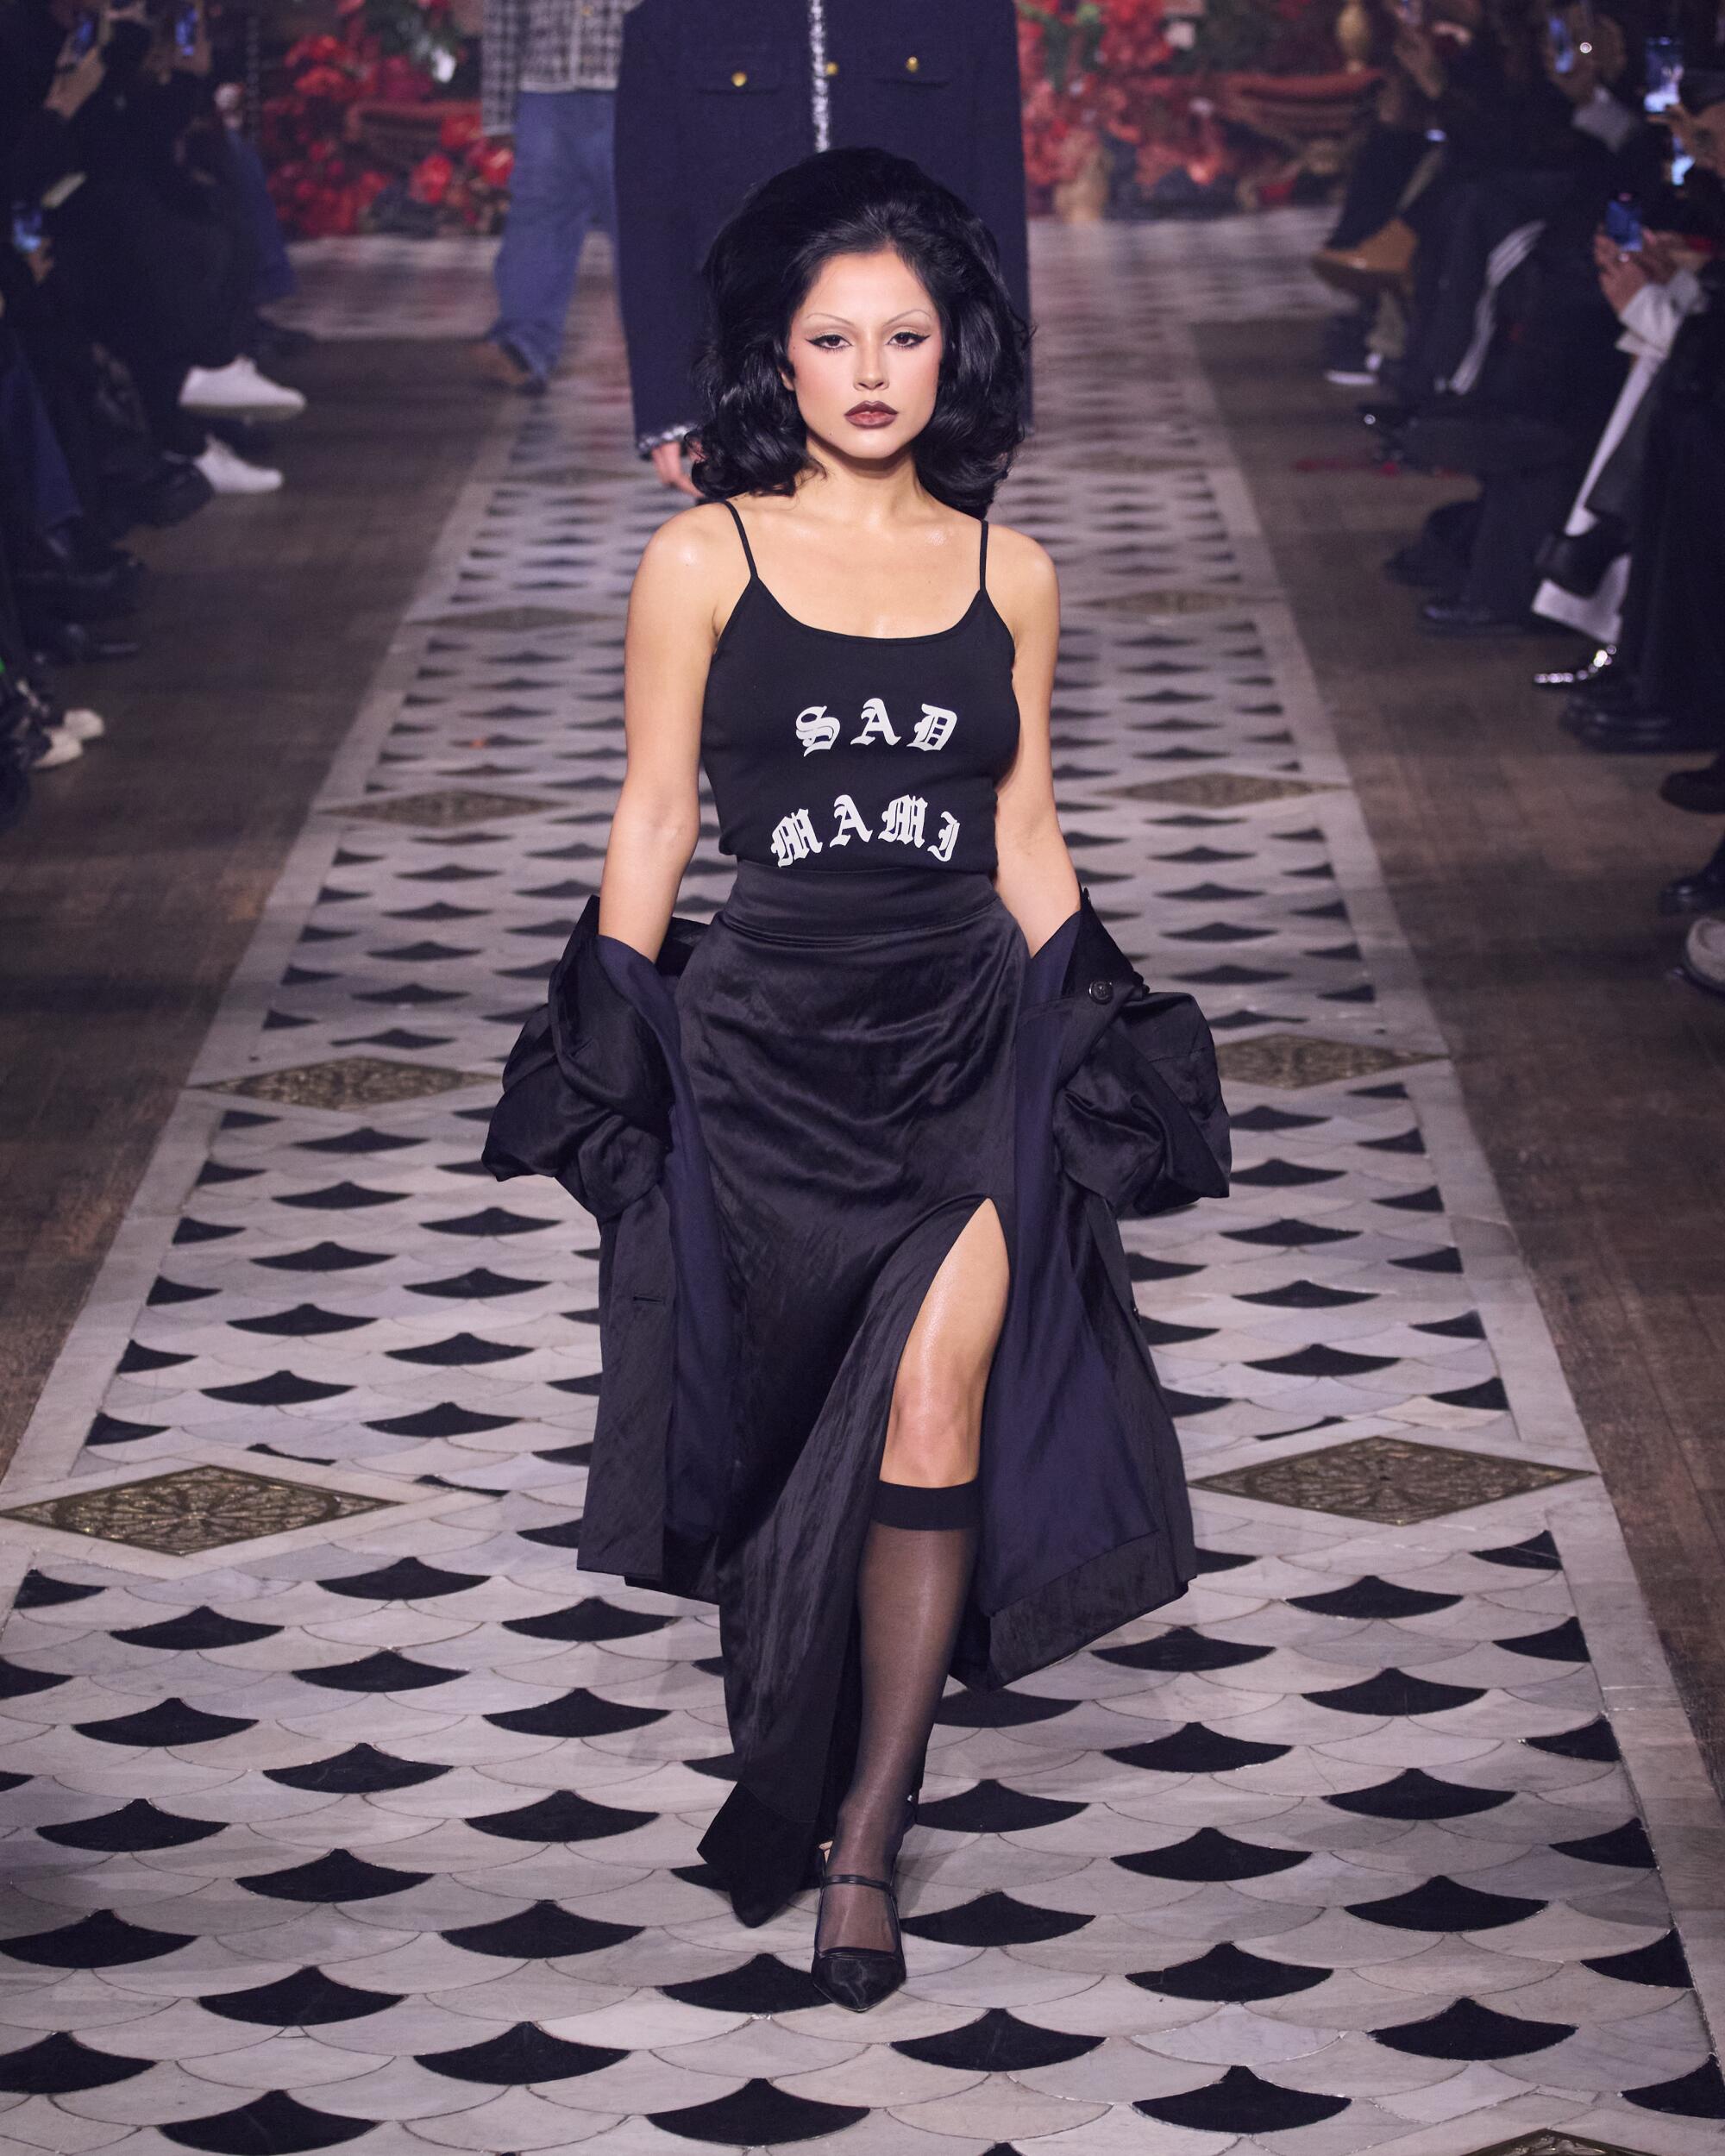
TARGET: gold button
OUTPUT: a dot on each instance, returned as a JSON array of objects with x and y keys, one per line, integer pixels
[
  {"x": 912, "y": 63},
  {"x": 832, "y": 67},
  {"x": 739, "y": 77}
]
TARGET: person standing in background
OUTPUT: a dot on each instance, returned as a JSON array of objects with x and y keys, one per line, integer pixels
[
  {"x": 549, "y": 81},
  {"x": 712, "y": 100}
]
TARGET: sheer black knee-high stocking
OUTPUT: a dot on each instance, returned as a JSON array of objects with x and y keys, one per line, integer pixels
[{"x": 911, "y": 1588}]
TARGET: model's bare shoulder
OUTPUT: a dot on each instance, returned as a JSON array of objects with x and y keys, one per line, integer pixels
[
  {"x": 1023, "y": 580},
  {"x": 690, "y": 569}
]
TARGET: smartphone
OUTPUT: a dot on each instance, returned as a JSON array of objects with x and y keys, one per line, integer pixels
[
  {"x": 83, "y": 34},
  {"x": 185, "y": 28},
  {"x": 1562, "y": 44},
  {"x": 27, "y": 231},
  {"x": 1623, "y": 223},
  {"x": 1663, "y": 74}
]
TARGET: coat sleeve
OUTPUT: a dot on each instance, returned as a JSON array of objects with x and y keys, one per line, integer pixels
[
  {"x": 998, "y": 192},
  {"x": 658, "y": 282},
  {"x": 503, "y": 53},
  {"x": 586, "y": 1094}
]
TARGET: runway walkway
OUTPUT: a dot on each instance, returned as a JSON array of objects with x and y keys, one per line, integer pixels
[{"x": 339, "y": 1809}]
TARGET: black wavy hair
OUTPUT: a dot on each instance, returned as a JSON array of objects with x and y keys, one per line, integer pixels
[{"x": 758, "y": 272}]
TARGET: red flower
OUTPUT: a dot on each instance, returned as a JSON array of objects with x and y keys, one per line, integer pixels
[{"x": 431, "y": 178}]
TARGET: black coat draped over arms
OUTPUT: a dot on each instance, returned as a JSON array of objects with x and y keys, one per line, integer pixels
[
  {"x": 1117, "y": 1114},
  {"x": 716, "y": 94}
]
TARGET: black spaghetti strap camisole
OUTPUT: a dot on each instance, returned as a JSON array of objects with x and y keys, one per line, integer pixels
[{"x": 828, "y": 750}]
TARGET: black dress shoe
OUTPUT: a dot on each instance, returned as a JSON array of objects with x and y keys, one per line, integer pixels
[
  {"x": 71, "y": 644},
  {"x": 1460, "y": 617},
  {"x": 1644, "y": 734},
  {"x": 1701, "y": 891},
  {"x": 860, "y": 1977},
  {"x": 1701, "y": 792},
  {"x": 1560, "y": 679}
]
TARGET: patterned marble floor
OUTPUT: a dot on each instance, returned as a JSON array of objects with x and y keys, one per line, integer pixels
[{"x": 339, "y": 1808}]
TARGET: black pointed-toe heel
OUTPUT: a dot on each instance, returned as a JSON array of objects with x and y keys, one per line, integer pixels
[{"x": 860, "y": 1977}]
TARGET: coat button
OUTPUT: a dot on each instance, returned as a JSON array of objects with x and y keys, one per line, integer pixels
[
  {"x": 739, "y": 78},
  {"x": 1101, "y": 992},
  {"x": 832, "y": 67},
  {"x": 913, "y": 64}
]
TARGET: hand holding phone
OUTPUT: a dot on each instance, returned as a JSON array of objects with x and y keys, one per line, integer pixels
[{"x": 1623, "y": 224}]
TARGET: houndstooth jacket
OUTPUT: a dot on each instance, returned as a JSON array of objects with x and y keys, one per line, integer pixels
[{"x": 547, "y": 45}]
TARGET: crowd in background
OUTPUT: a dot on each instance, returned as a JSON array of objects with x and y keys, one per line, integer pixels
[
  {"x": 1534, "y": 236},
  {"x": 139, "y": 248}
]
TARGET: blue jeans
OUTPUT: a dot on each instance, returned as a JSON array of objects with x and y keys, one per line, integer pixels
[{"x": 562, "y": 185}]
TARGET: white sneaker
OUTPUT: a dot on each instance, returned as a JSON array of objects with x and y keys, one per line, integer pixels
[
  {"x": 63, "y": 748},
  {"x": 1704, "y": 954},
  {"x": 239, "y": 387},
  {"x": 231, "y": 475},
  {"x": 82, "y": 725}
]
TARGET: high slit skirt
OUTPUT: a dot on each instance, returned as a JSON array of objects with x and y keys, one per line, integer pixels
[{"x": 848, "y": 1040}]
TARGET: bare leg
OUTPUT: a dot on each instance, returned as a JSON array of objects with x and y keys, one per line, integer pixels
[{"x": 916, "y": 1566}]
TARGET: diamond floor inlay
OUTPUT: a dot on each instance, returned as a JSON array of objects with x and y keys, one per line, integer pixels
[
  {"x": 193, "y": 1509},
  {"x": 379, "y": 1832}
]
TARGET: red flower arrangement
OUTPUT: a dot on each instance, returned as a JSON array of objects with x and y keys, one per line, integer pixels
[{"x": 390, "y": 53}]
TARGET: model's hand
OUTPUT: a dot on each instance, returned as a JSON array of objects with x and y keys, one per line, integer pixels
[
  {"x": 667, "y": 463},
  {"x": 1663, "y": 253}
]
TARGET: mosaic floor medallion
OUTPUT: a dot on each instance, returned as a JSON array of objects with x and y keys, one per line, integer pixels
[
  {"x": 194, "y": 1509},
  {"x": 1289, "y": 1061},
  {"x": 1392, "y": 1480},
  {"x": 1218, "y": 790},
  {"x": 451, "y": 808},
  {"x": 348, "y": 1082}
]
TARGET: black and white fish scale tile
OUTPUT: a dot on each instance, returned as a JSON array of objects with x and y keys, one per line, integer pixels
[{"x": 382, "y": 1832}]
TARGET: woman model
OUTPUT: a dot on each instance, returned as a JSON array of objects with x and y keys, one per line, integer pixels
[{"x": 873, "y": 1380}]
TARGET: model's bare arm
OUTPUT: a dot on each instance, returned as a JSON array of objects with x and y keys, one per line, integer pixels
[
  {"x": 1035, "y": 878},
  {"x": 665, "y": 652}
]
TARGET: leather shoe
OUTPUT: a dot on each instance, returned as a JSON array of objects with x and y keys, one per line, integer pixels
[
  {"x": 1701, "y": 792},
  {"x": 1564, "y": 678},
  {"x": 72, "y": 643},
  {"x": 1701, "y": 891},
  {"x": 1461, "y": 618},
  {"x": 1644, "y": 734}
]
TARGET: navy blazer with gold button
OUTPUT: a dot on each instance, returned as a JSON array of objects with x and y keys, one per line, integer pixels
[{"x": 715, "y": 95}]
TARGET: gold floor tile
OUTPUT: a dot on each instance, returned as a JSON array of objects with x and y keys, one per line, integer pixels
[
  {"x": 1289, "y": 1061},
  {"x": 194, "y": 1508},
  {"x": 1216, "y": 789},
  {"x": 448, "y": 809},
  {"x": 348, "y": 1082},
  {"x": 1393, "y": 1482},
  {"x": 1555, "y": 2141}
]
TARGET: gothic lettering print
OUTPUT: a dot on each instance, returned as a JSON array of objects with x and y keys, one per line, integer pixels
[
  {"x": 901, "y": 822},
  {"x": 876, "y": 726},
  {"x": 934, "y": 728},
  {"x": 850, "y": 821},
  {"x": 793, "y": 838},
  {"x": 815, "y": 729},
  {"x": 942, "y": 847}
]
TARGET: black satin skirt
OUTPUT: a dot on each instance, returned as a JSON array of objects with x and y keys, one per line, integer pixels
[{"x": 848, "y": 1038}]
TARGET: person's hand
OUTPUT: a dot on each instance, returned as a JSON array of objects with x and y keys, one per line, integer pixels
[
  {"x": 667, "y": 463},
  {"x": 77, "y": 77},
  {"x": 1663, "y": 253},
  {"x": 1621, "y": 277},
  {"x": 1599, "y": 54},
  {"x": 1417, "y": 56}
]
